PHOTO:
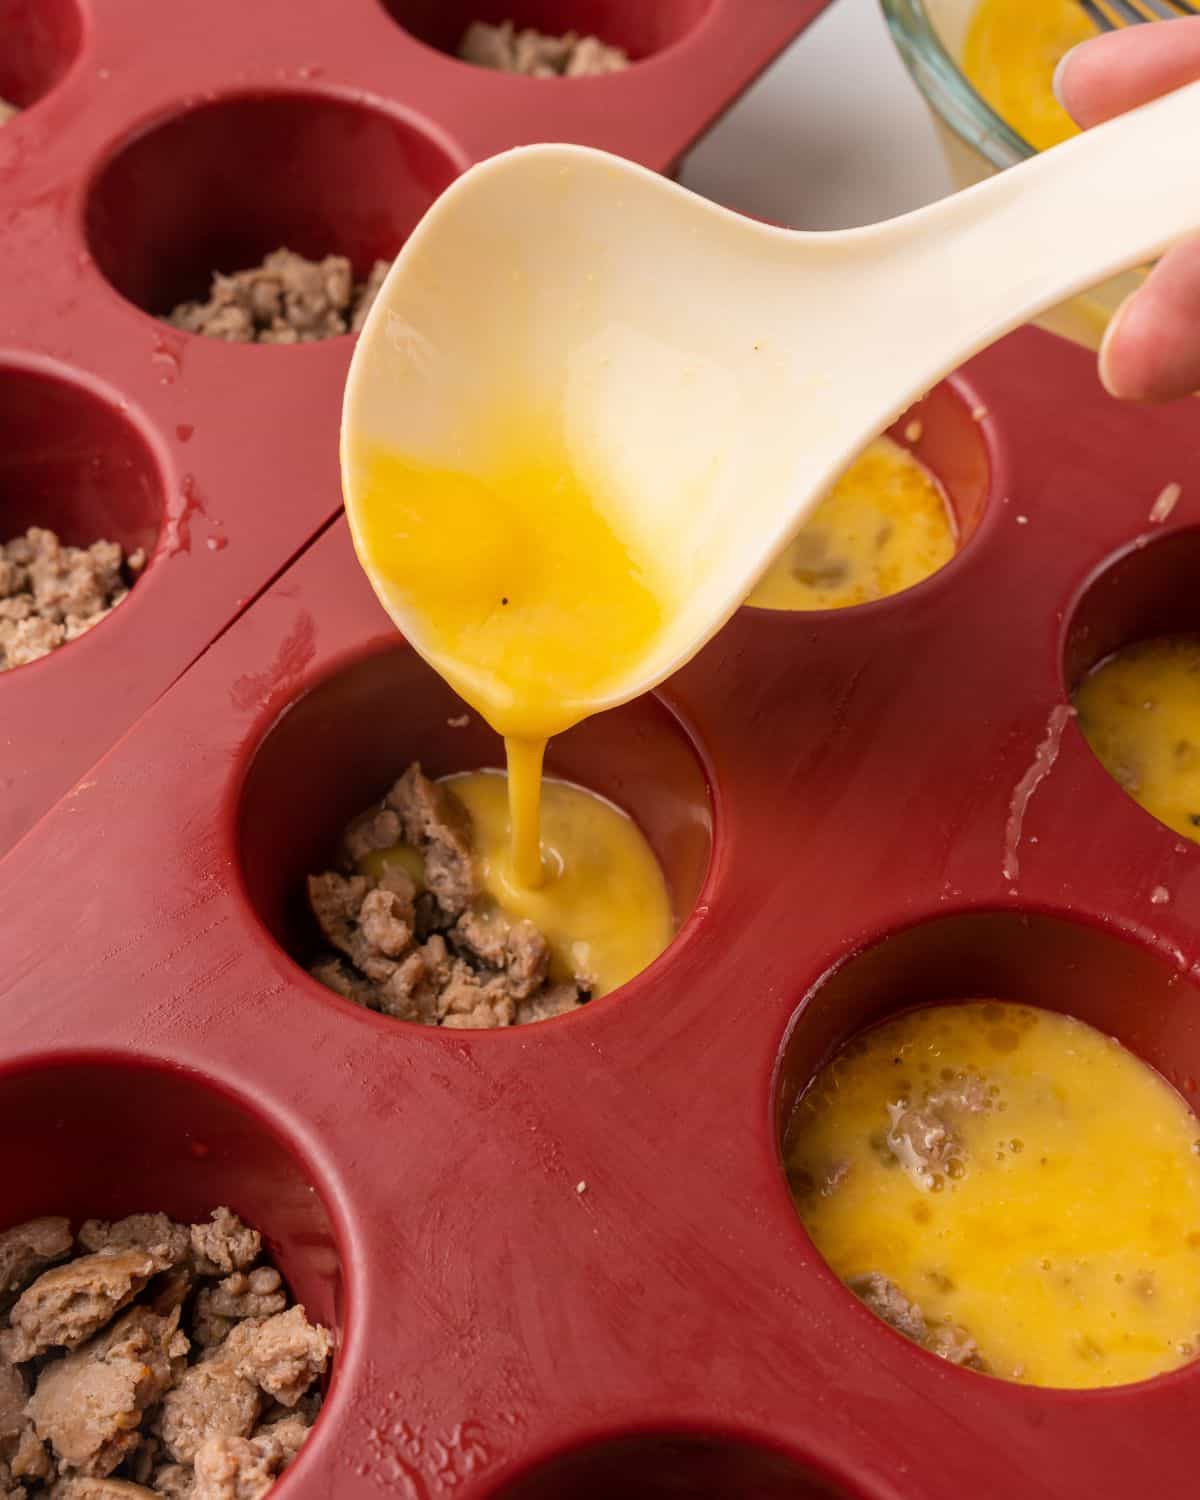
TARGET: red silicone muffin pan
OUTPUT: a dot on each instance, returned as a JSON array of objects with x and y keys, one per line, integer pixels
[
  {"x": 159, "y": 143},
  {"x": 562, "y": 1259}
]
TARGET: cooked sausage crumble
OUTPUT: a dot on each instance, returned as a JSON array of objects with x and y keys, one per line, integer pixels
[
  {"x": 405, "y": 931},
  {"x": 285, "y": 300},
  {"x": 149, "y": 1358},
  {"x": 534, "y": 54},
  {"x": 51, "y": 593}
]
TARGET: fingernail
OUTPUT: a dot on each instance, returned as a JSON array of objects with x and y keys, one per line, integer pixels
[
  {"x": 1107, "y": 379},
  {"x": 1060, "y": 73}
]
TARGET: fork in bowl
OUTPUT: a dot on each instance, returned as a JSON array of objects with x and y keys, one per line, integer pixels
[{"x": 1111, "y": 15}]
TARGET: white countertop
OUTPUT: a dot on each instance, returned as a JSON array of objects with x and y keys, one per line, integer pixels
[{"x": 834, "y": 135}]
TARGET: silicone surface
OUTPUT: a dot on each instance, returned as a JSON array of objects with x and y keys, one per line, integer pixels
[
  {"x": 562, "y": 1259},
  {"x": 153, "y": 149}
]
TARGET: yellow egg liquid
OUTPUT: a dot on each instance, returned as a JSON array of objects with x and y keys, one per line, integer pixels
[
  {"x": 1140, "y": 712},
  {"x": 524, "y": 783},
  {"x": 379, "y": 862},
  {"x": 1063, "y": 1235},
  {"x": 1011, "y": 52},
  {"x": 603, "y": 907},
  {"x": 884, "y": 526},
  {"x": 530, "y": 604},
  {"x": 533, "y": 609}
]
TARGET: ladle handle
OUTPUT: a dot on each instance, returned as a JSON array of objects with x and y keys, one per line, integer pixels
[{"x": 988, "y": 259}]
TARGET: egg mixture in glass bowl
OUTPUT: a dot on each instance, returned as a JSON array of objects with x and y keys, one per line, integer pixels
[{"x": 986, "y": 68}]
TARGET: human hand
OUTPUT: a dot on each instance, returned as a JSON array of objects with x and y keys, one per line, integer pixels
[{"x": 1151, "y": 351}]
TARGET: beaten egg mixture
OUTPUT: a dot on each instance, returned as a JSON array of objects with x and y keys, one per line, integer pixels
[
  {"x": 1140, "y": 712},
  {"x": 1011, "y": 1189},
  {"x": 884, "y": 526},
  {"x": 1011, "y": 52},
  {"x": 603, "y": 906}
]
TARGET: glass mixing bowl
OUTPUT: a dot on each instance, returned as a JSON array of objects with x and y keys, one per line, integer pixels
[{"x": 930, "y": 36}]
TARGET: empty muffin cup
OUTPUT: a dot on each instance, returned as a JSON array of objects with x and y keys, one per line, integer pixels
[{"x": 41, "y": 40}]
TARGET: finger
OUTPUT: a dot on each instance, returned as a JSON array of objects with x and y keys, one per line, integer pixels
[
  {"x": 1122, "y": 69},
  {"x": 1151, "y": 351}
]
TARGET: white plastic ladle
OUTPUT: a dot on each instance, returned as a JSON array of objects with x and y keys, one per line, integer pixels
[{"x": 722, "y": 371}]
